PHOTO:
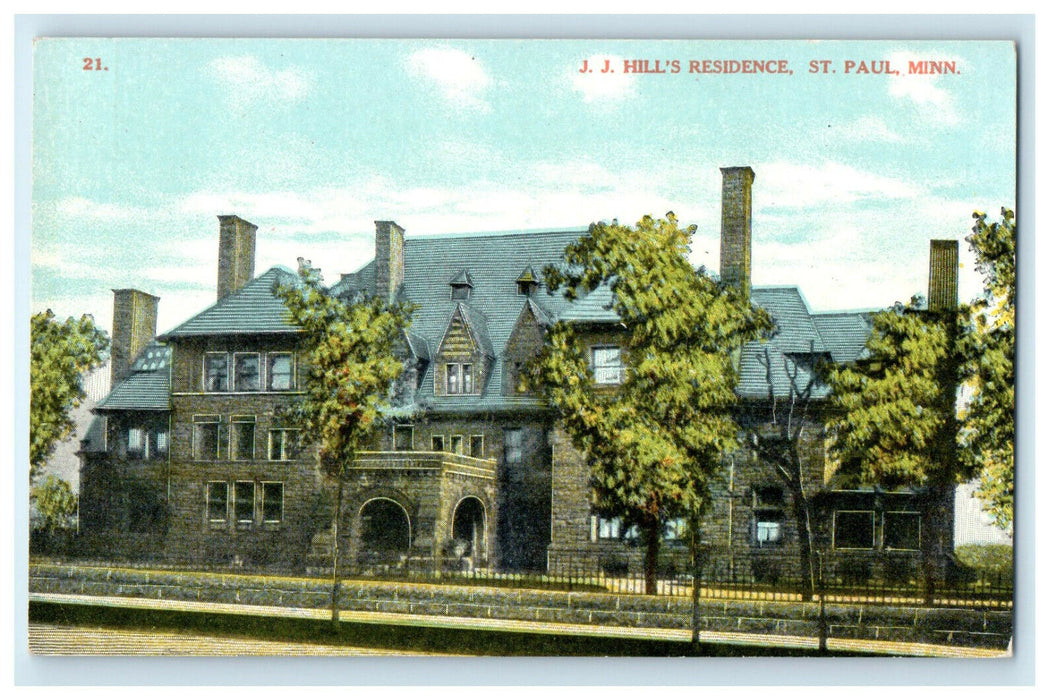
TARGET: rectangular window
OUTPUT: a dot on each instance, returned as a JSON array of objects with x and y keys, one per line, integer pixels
[
  {"x": 607, "y": 365},
  {"x": 902, "y": 530},
  {"x": 477, "y": 446},
  {"x": 436, "y": 443},
  {"x": 403, "y": 438},
  {"x": 272, "y": 501},
  {"x": 605, "y": 528},
  {"x": 137, "y": 443},
  {"x": 453, "y": 379},
  {"x": 768, "y": 527},
  {"x": 767, "y": 504},
  {"x": 217, "y": 501},
  {"x": 244, "y": 502},
  {"x": 282, "y": 445},
  {"x": 216, "y": 371},
  {"x": 247, "y": 372},
  {"x": 243, "y": 430},
  {"x": 512, "y": 446},
  {"x": 467, "y": 379},
  {"x": 206, "y": 437},
  {"x": 853, "y": 529},
  {"x": 456, "y": 444},
  {"x": 161, "y": 442},
  {"x": 280, "y": 371},
  {"x": 460, "y": 378},
  {"x": 675, "y": 529}
]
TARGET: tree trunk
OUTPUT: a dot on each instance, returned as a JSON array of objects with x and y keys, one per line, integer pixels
[
  {"x": 803, "y": 526},
  {"x": 695, "y": 565},
  {"x": 653, "y": 545},
  {"x": 335, "y": 590}
]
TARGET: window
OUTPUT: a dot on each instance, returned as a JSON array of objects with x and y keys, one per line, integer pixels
[
  {"x": 460, "y": 378},
  {"x": 460, "y": 292},
  {"x": 217, "y": 501},
  {"x": 512, "y": 445},
  {"x": 280, "y": 371},
  {"x": 137, "y": 443},
  {"x": 243, "y": 430},
  {"x": 247, "y": 372},
  {"x": 853, "y": 529},
  {"x": 272, "y": 501},
  {"x": 456, "y": 444},
  {"x": 161, "y": 442},
  {"x": 675, "y": 529},
  {"x": 767, "y": 504},
  {"x": 244, "y": 502},
  {"x": 282, "y": 445},
  {"x": 403, "y": 437},
  {"x": 525, "y": 288},
  {"x": 206, "y": 437},
  {"x": 605, "y": 528},
  {"x": 216, "y": 374},
  {"x": 477, "y": 445},
  {"x": 902, "y": 530},
  {"x": 607, "y": 365},
  {"x": 436, "y": 443}
]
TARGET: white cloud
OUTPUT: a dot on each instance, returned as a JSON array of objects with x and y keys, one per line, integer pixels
[
  {"x": 604, "y": 88},
  {"x": 866, "y": 128},
  {"x": 248, "y": 81},
  {"x": 935, "y": 103},
  {"x": 457, "y": 74},
  {"x": 801, "y": 185}
]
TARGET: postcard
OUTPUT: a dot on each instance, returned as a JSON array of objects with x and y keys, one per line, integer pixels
[{"x": 522, "y": 347}]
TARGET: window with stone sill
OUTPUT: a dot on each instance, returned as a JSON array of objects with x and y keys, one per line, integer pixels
[
  {"x": 244, "y": 503},
  {"x": 477, "y": 446},
  {"x": 137, "y": 443},
  {"x": 460, "y": 378},
  {"x": 436, "y": 443},
  {"x": 217, "y": 501},
  {"x": 206, "y": 438},
  {"x": 216, "y": 371},
  {"x": 403, "y": 438},
  {"x": 456, "y": 444},
  {"x": 902, "y": 530},
  {"x": 280, "y": 371},
  {"x": 853, "y": 529},
  {"x": 512, "y": 439},
  {"x": 247, "y": 372},
  {"x": 243, "y": 439},
  {"x": 272, "y": 502},
  {"x": 282, "y": 445}
]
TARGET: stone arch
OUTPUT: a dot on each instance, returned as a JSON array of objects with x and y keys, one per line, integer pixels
[
  {"x": 469, "y": 528},
  {"x": 384, "y": 529}
]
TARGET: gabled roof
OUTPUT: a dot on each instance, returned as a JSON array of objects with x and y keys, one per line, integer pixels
[
  {"x": 529, "y": 275},
  {"x": 461, "y": 279},
  {"x": 844, "y": 333},
  {"x": 254, "y": 309},
  {"x": 595, "y": 307},
  {"x": 476, "y": 324}
]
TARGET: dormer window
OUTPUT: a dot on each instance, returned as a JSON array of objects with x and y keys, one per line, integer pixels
[
  {"x": 461, "y": 284},
  {"x": 528, "y": 282}
]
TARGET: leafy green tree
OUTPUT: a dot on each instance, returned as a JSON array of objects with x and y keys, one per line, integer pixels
[
  {"x": 654, "y": 441},
  {"x": 895, "y": 422},
  {"x": 989, "y": 371},
  {"x": 60, "y": 355},
  {"x": 347, "y": 351},
  {"x": 54, "y": 501}
]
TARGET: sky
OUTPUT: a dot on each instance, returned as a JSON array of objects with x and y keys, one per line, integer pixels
[{"x": 314, "y": 140}]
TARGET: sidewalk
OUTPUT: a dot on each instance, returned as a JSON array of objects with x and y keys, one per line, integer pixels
[{"x": 497, "y": 625}]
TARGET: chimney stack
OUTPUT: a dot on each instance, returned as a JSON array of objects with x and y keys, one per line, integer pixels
[
  {"x": 735, "y": 244},
  {"x": 238, "y": 241},
  {"x": 943, "y": 275},
  {"x": 388, "y": 258},
  {"x": 135, "y": 325}
]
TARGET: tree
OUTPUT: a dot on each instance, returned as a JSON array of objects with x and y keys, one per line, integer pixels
[
  {"x": 778, "y": 430},
  {"x": 654, "y": 441},
  {"x": 989, "y": 349},
  {"x": 55, "y": 502},
  {"x": 895, "y": 422},
  {"x": 347, "y": 352},
  {"x": 60, "y": 355}
]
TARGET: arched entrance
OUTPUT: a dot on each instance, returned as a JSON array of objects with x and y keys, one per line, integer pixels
[
  {"x": 468, "y": 530},
  {"x": 385, "y": 531}
]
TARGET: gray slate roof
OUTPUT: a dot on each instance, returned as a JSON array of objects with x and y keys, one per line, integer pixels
[
  {"x": 254, "y": 309},
  {"x": 147, "y": 387}
]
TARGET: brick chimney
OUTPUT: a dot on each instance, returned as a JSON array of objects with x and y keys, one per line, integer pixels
[
  {"x": 735, "y": 243},
  {"x": 943, "y": 275},
  {"x": 135, "y": 325},
  {"x": 238, "y": 241},
  {"x": 388, "y": 258}
]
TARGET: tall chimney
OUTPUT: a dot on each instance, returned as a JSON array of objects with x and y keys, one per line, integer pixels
[
  {"x": 735, "y": 243},
  {"x": 943, "y": 275},
  {"x": 135, "y": 325},
  {"x": 388, "y": 258},
  {"x": 238, "y": 241}
]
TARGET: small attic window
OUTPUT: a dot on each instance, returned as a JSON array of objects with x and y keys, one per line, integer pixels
[
  {"x": 528, "y": 282},
  {"x": 461, "y": 284}
]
